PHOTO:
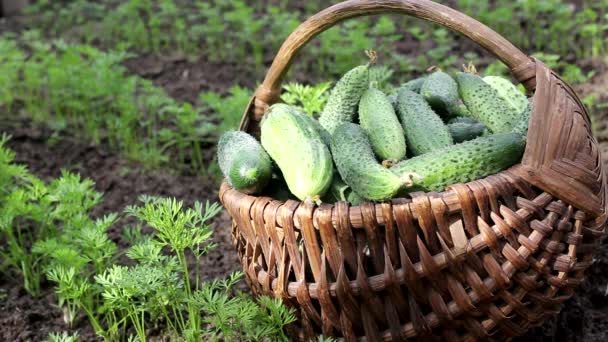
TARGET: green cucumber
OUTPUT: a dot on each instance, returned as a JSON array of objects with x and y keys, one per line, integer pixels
[
  {"x": 508, "y": 92},
  {"x": 521, "y": 126},
  {"x": 463, "y": 119},
  {"x": 342, "y": 103},
  {"x": 464, "y": 131},
  {"x": 414, "y": 85},
  {"x": 294, "y": 143},
  {"x": 325, "y": 136},
  {"x": 463, "y": 162},
  {"x": 424, "y": 130},
  {"x": 485, "y": 104},
  {"x": 358, "y": 167},
  {"x": 379, "y": 121},
  {"x": 340, "y": 191},
  {"x": 441, "y": 92},
  {"x": 243, "y": 161}
]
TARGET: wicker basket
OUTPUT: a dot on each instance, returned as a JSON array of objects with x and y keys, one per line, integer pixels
[{"x": 490, "y": 258}]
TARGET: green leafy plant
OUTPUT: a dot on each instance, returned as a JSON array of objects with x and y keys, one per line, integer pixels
[
  {"x": 311, "y": 99},
  {"x": 63, "y": 337},
  {"x": 48, "y": 230},
  {"x": 227, "y": 110}
]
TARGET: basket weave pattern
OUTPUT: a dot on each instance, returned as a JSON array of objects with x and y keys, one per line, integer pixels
[{"x": 490, "y": 258}]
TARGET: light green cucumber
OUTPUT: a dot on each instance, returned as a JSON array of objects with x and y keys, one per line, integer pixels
[
  {"x": 292, "y": 140},
  {"x": 358, "y": 167},
  {"x": 485, "y": 104},
  {"x": 379, "y": 121},
  {"x": 424, "y": 130},
  {"x": 243, "y": 161},
  {"x": 508, "y": 92},
  {"x": 441, "y": 92},
  {"x": 465, "y": 131},
  {"x": 344, "y": 98},
  {"x": 463, "y": 162}
]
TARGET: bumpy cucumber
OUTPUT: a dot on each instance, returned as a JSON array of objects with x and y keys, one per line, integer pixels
[
  {"x": 441, "y": 92},
  {"x": 424, "y": 130},
  {"x": 464, "y": 131},
  {"x": 342, "y": 103},
  {"x": 340, "y": 191},
  {"x": 293, "y": 141},
  {"x": 379, "y": 121},
  {"x": 325, "y": 136},
  {"x": 463, "y": 119},
  {"x": 521, "y": 126},
  {"x": 508, "y": 92},
  {"x": 358, "y": 167},
  {"x": 462, "y": 162},
  {"x": 414, "y": 85},
  {"x": 243, "y": 161},
  {"x": 485, "y": 104}
]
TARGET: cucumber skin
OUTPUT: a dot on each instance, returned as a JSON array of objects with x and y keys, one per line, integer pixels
[
  {"x": 463, "y": 119},
  {"x": 239, "y": 154},
  {"x": 414, "y": 85},
  {"x": 294, "y": 143},
  {"x": 342, "y": 103},
  {"x": 358, "y": 167},
  {"x": 462, "y": 163},
  {"x": 441, "y": 92},
  {"x": 462, "y": 131},
  {"x": 379, "y": 121},
  {"x": 508, "y": 92},
  {"x": 521, "y": 126},
  {"x": 485, "y": 104},
  {"x": 340, "y": 191},
  {"x": 424, "y": 129}
]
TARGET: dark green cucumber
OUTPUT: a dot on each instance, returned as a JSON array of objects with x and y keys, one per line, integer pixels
[
  {"x": 325, "y": 136},
  {"x": 344, "y": 98},
  {"x": 340, "y": 191},
  {"x": 379, "y": 121},
  {"x": 424, "y": 129},
  {"x": 463, "y": 119},
  {"x": 295, "y": 144},
  {"x": 485, "y": 104},
  {"x": 464, "y": 131},
  {"x": 463, "y": 162},
  {"x": 358, "y": 167},
  {"x": 243, "y": 161},
  {"x": 441, "y": 92}
]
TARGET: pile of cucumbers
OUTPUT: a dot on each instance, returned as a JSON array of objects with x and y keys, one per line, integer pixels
[{"x": 429, "y": 133}]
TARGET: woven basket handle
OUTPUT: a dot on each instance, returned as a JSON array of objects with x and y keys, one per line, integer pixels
[{"x": 269, "y": 91}]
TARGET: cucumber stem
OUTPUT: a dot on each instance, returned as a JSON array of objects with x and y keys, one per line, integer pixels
[
  {"x": 373, "y": 56},
  {"x": 313, "y": 200},
  {"x": 408, "y": 179},
  {"x": 470, "y": 68},
  {"x": 388, "y": 163}
]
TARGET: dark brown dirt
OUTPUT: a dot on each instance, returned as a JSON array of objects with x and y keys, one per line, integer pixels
[{"x": 184, "y": 78}]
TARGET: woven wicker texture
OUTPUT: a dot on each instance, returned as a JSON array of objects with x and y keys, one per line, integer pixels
[{"x": 484, "y": 260}]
